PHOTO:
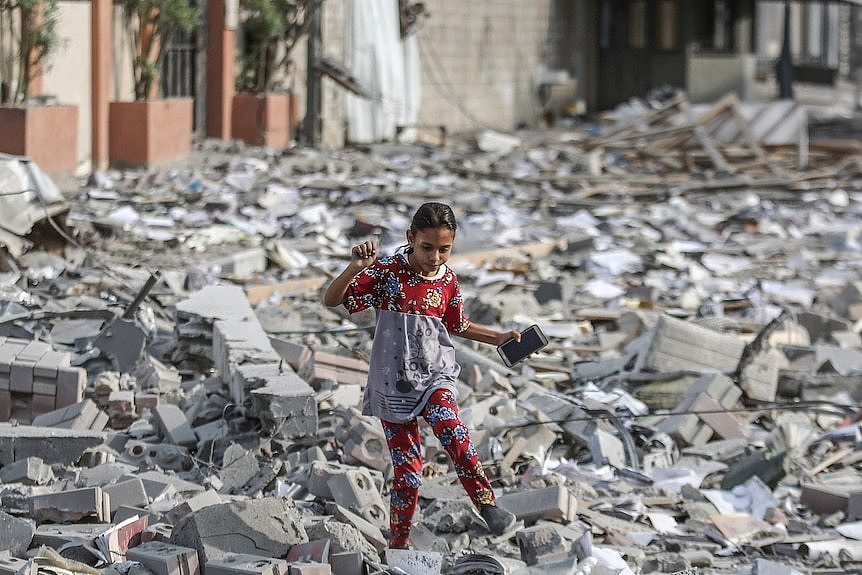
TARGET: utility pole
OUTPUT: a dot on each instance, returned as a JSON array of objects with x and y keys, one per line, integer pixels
[
  {"x": 311, "y": 126},
  {"x": 856, "y": 54},
  {"x": 784, "y": 68}
]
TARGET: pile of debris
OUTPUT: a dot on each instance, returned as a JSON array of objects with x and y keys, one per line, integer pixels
[{"x": 697, "y": 410}]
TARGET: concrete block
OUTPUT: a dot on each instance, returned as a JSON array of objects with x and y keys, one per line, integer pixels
[
  {"x": 371, "y": 532},
  {"x": 239, "y": 467},
  {"x": 355, "y": 489},
  {"x": 13, "y": 565},
  {"x": 240, "y": 564},
  {"x": 607, "y": 449},
  {"x": 268, "y": 526},
  {"x": 15, "y": 533},
  {"x": 415, "y": 562},
  {"x": 240, "y": 342},
  {"x": 726, "y": 425},
  {"x": 759, "y": 379},
  {"x": 316, "y": 551},
  {"x": 130, "y": 492},
  {"x": 366, "y": 444},
  {"x": 677, "y": 345},
  {"x": 192, "y": 504},
  {"x": 295, "y": 354},
  {"x": 164, "y": 455},
  {"x": 40, "y": 404},
  {"x": 49, "y": 364},
  {"x": 173, "y": 425},
  {"x": 541, "y": 544},
  {"x": 554, "y": 503},
  {"x": 166, "y": 559},
  {"x": 50, "y": 444},
  {"x": 21, "y": 376},
  {"x": 348, "y": 563},
  {"x": 71, "y": 506},
  {"x": 286, "y": 406},
  {"x": 30, "y": 471},
  {"x": 83, "y": 415},
  {"x": 157, "y": 532},
  {"x": 55, "y": 536},
  {"x": 71, "y": 382},
  {"x": 310, "y": 569}
]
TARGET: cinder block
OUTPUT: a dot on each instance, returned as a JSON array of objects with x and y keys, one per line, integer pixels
[
  {"x": 677, "y": 345},
  {"x": 130, "y": 492},
  {"x": 50, "y": 363},
  {"x": 71, "y": 506},
  {"x": 82, "y": 415},
  {"x": 15, "y": 533},
  {"x": 415, "y": 562},
  {"x": 356, "y": 490},
  {"x": 40, "y": 404},
  {"x": 173, "y": 425},
  {"x": 240, "y": 564},
  {"x": 541, "y": 544},
  {"x": 724, "y": 424},
  {"x": 21, "y": 376},
  {"x": 284, "y": 403},
  {"x": 310, "y": 569},
  {"x": 30, "y": 471},
  {"x": 71, "y": 382},
  {"x": 554, "y": 503},
  {"x": 12, "y": 565},
  {"x": 198, "y": 501},
  {"x": 166, "y": 559},
  {"x": 347, "y": 563},
  {"x": 316, "y": 551}
]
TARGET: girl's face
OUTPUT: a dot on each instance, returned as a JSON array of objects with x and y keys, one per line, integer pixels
[{"x": 431, "y": 249}]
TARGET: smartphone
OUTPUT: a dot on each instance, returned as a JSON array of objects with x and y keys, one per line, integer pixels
[{"x": 532, "y": 340}]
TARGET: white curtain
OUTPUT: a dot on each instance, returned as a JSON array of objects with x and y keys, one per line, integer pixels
[{"x": 387, "y": 67}]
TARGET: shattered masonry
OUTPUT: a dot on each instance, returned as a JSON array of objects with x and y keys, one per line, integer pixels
[{"x": 696, "y": 269}]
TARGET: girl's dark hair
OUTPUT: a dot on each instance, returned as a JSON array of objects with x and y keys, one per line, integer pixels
[{"x": 433, "y": 215}]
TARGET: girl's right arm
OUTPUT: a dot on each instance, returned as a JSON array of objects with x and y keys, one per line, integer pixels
[{"x": 363, "y": 255}]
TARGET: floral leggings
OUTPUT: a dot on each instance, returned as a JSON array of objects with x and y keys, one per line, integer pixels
[{"x": 441, "y": 412}]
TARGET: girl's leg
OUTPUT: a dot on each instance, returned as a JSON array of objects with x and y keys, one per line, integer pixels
[
  {"x": 441, "y": 413},
  {"x": 405, "y": 448}
]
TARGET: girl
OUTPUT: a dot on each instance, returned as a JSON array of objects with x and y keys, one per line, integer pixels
[{"x": 413, "y": 368}]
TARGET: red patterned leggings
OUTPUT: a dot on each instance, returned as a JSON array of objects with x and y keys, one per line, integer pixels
[{"x": 405, "y": 447}]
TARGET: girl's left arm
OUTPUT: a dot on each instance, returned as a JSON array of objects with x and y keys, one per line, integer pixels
[{"x": 485, "y": 334}]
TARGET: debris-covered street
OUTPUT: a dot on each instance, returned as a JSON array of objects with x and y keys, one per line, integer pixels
[{"x": 177, "y": 400}]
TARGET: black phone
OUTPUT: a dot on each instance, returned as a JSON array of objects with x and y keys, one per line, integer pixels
[{"x": 532, "y": 340}]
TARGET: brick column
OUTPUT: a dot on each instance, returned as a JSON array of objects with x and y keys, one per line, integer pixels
[
  {"x": 101, "y": 21},
  {"x": 221, "y": 21}
]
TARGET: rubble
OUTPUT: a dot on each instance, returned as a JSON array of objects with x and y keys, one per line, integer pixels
[{"x": 173, "y": 394}]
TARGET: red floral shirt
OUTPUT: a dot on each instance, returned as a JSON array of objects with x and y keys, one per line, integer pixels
[{"x": 390, "y": 283}]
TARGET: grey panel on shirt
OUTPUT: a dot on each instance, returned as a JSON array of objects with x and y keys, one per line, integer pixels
[{"x": 411, "y": 357}]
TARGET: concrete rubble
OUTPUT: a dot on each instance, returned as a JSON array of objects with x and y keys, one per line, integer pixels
[{"x": 697, "y": 409}]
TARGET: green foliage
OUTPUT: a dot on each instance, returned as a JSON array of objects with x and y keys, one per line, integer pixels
[
  {"x": 151, "y": 26},
  {"x": 28, "y": 37},
  {"x": 270, "y": 31}
]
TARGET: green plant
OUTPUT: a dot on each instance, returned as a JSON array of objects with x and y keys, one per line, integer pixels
[
  {"x": 270, "y": 31},
  {"x": 28, "y": 37},
  {"x": 151, "y": 26}
]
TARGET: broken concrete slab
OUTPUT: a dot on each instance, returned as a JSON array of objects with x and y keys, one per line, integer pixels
[
  {"x": 15, "y": 533},
  {"x": 52, "y": 445},
  {"x": 71, "y": 506},
  {"x": 270, "y": 525}
]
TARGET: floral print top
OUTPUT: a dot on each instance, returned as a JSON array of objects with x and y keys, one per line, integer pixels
[
  {"x": 390, "y": 283},
  {"x": 412, "y": 354}
]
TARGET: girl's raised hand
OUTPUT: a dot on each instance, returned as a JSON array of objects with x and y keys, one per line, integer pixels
[{"x": 363, "y": 254}]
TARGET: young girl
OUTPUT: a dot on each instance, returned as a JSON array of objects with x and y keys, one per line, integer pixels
[{"x": 413, "y": 368}]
